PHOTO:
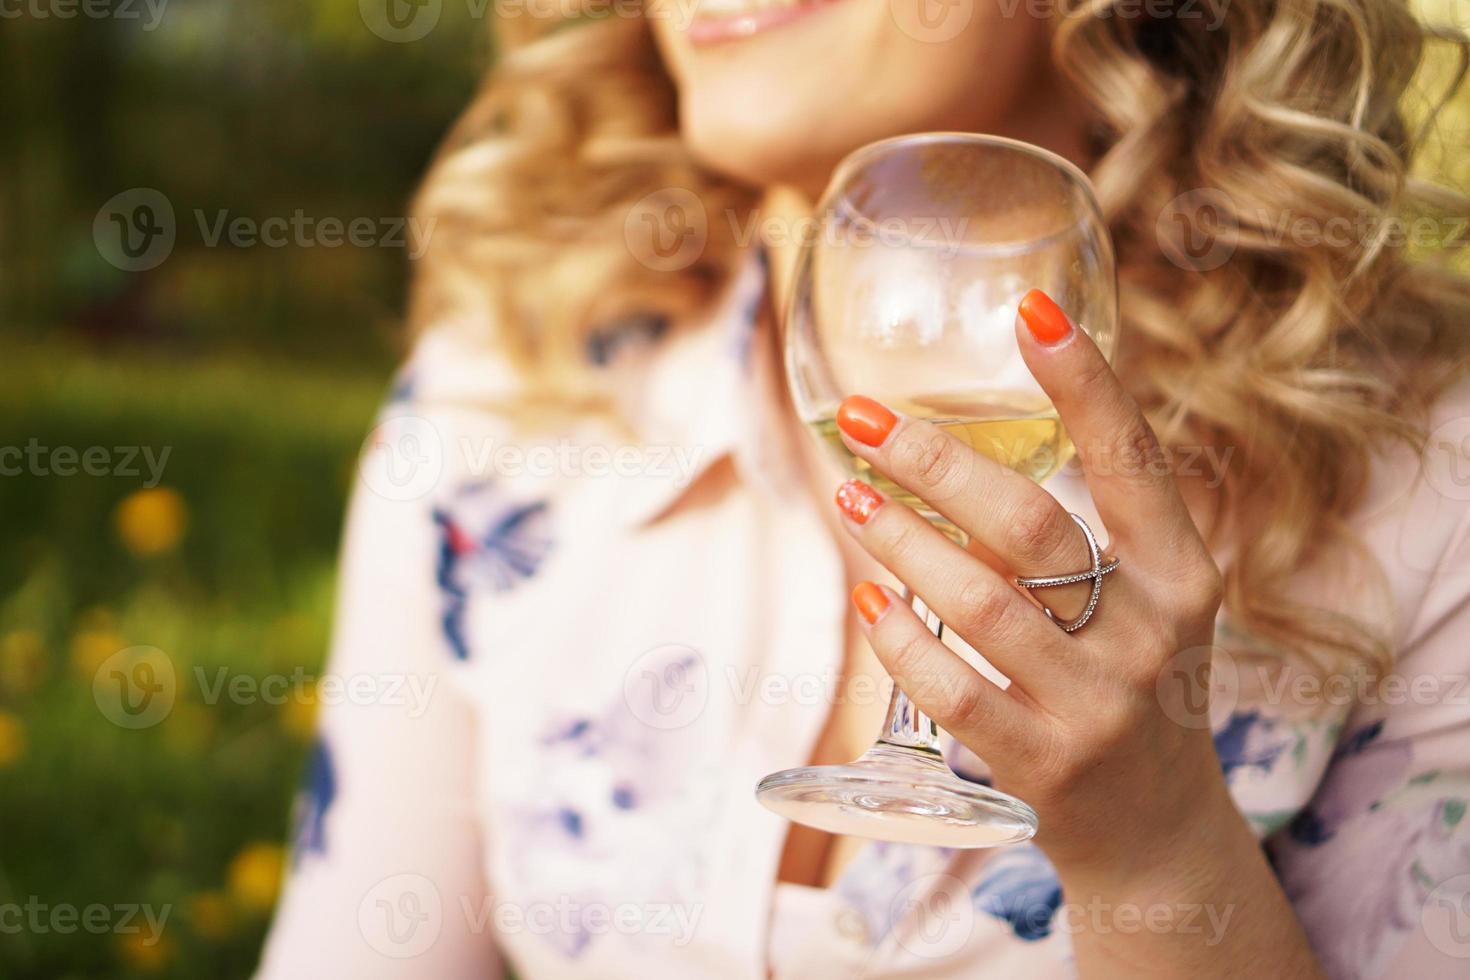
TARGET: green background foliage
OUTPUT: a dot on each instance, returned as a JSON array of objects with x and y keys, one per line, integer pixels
[{"x": 258, "y": 370}]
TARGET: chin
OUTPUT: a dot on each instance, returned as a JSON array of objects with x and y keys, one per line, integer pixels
[
  {"x": 756, "y": 152},
  {"x": 783, "y": 107}
]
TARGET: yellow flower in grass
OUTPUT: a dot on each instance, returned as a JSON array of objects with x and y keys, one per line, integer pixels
[
  {"x": 255, "y": 876},
  {"x": 12, "y": 739},
  {"x": 143, "y": 951},
  {"x": 151, "y": 521},
  {"x": 211, "y": 915},
  {"x": 91, "y": 647}
]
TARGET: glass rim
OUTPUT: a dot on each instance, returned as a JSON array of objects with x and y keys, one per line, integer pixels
[{"x": 834, "y": 197}]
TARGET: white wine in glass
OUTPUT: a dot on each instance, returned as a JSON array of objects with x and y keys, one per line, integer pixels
[
  {"x": 1016, "y": 429},
  {"x": 907, "y": 293}
]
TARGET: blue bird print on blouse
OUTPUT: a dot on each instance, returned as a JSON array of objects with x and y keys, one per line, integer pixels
[
  {"x": 604, "y": 344},
  {"x": 1249, "y": 740},
  {"x": 1020, "y": 887},
  {"x": 403, "y": 390},
  {"x": 317, "y": 793},
  {"x": 744, "y": 326},
  {"x": 1363, "y": 779},
  {"x": 485, "y": 541},
  {"x": 599, "y": 769}
]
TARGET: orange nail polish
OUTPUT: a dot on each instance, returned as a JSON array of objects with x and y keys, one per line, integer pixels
[
  {"x": 865, "y": 420},
  {"x": 870, "y": 600},
  {"x": 858, "y": 500},
  {"x": 1044, "y": 318}
]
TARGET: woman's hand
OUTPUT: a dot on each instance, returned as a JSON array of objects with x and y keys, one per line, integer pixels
[{"x": 1120, "y": 768}]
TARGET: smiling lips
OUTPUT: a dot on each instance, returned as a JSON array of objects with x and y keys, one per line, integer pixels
[{"x": 720, "y": 21}]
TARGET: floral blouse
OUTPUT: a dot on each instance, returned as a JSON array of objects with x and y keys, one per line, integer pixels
[{"x": 575, "y": 654}]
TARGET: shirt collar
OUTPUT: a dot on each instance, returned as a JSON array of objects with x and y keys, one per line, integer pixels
[
  {"x": 710, "y": 392},
  {"x": 692, "y": 397}
]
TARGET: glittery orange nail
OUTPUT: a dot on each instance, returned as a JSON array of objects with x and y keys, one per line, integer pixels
[{"x": 858, "y": 500}]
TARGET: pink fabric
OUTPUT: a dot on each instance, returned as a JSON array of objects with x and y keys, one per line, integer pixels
[{"x": 609, "y": 654}]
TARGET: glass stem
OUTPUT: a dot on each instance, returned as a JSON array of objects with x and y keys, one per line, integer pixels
[{"x": 906, "y": 726}]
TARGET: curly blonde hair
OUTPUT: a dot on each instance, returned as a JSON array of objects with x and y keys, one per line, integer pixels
[{"x": 1300, "y": 353}]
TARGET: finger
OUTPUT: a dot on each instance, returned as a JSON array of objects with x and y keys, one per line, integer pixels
[
  {"x": 1127, "y": 470},
  {"x": 970, "y": 597},
  {"x": 991, "y": 722},
  {"x": 1018, "y": 527}
]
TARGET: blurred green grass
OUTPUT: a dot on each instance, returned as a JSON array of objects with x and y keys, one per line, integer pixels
[
  {"x": 184, "y": 814},
  {"x": 259, "y": 370}
]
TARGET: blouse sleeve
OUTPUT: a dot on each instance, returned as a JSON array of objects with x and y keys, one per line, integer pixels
[
  {"x": 1378, "y": 863},
  {"x": 386, "y": 875}
]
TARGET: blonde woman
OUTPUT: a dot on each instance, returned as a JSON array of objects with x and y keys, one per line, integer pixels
[{"x": 590, "y": 537}]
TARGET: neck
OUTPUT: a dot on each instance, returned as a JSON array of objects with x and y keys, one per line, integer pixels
[
  {"x": 1052, "y": 120},
  {"x": 785, "y": 208}
]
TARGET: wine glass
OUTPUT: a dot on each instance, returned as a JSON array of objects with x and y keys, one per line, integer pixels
[{"x": 906, "y": 291}]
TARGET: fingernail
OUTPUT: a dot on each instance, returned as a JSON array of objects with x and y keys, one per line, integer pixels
[
  {"x": 1044, "y": 318},
  {"x": 870, "y": 600},
  {"x": 865, "y": 420},
  {"x": 858, "y": 500}
]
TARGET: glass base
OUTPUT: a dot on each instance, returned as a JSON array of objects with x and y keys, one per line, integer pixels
[{"x": 898, "y": 794}]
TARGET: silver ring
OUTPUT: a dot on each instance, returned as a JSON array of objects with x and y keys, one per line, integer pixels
[{"x": 1100, "y": 567}]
